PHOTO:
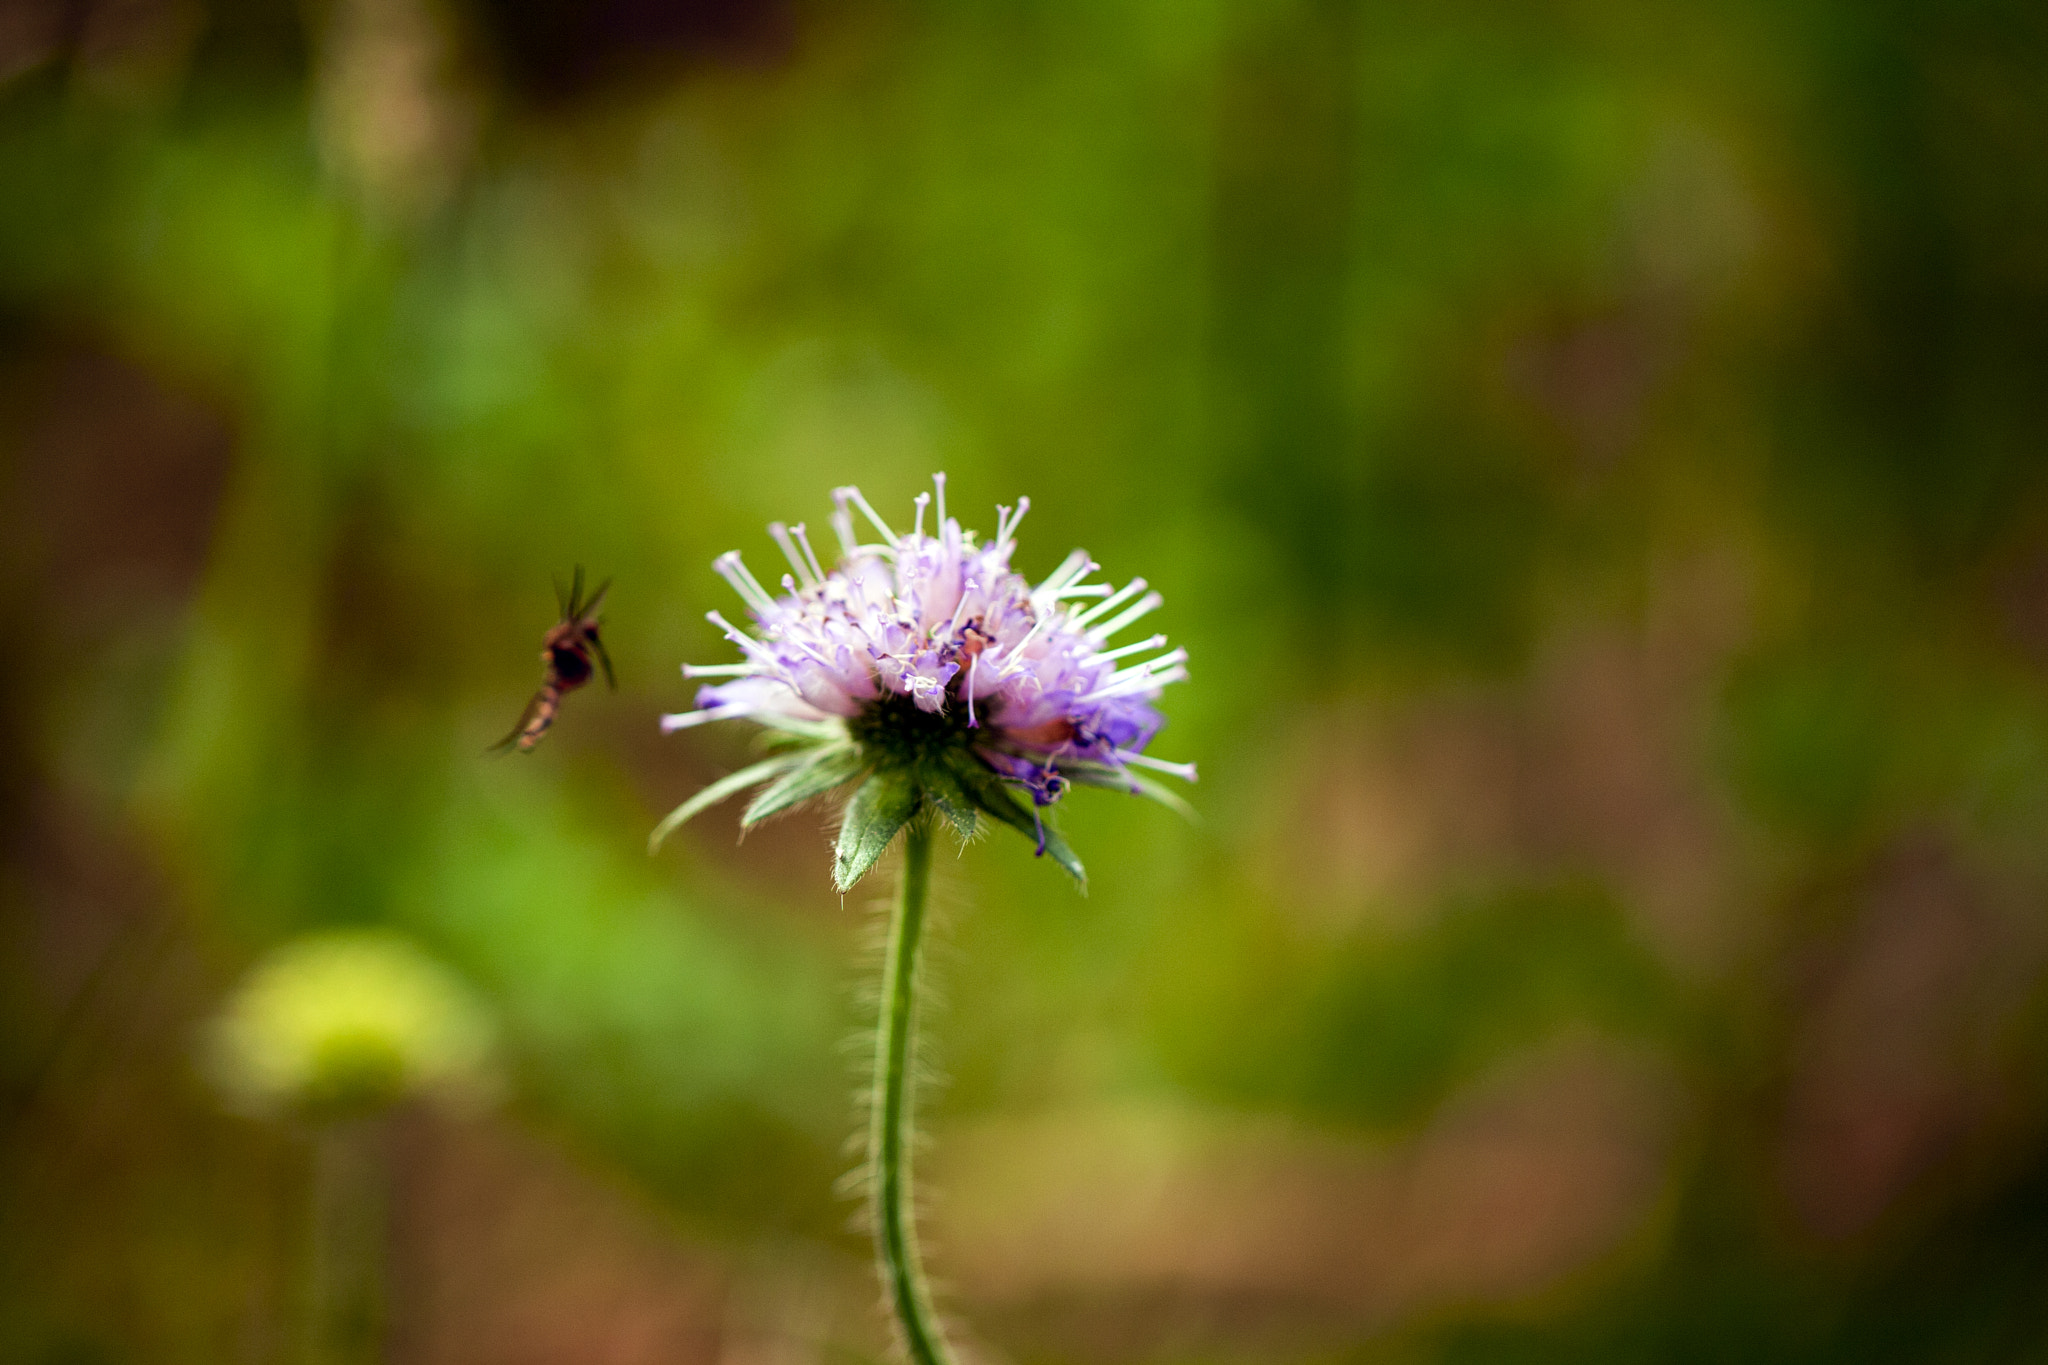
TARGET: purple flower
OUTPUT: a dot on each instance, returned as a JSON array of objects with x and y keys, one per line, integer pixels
[{"x": 925, "y": 660}]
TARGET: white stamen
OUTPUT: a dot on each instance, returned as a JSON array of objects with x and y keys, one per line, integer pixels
[
  {"x": 1064, "y": 582},
  {"x": 789, "y": 552},
  {"x": 739, "y": 637},
  {"x": 842, "y": 526},
  {"x": 1144, "y": 683},
  {"x": 1014, "y": 656},
  {"x": 1112, "y": 602},
  {"x": 1144, "y": 606},
  {"x": 939, "y": 482},
  {"x": 1007, "y": 524},
  {"x": 1122, "y": 651},
  {"x": 853, "y": 495},
  {"x": 922, "y": 500},
  {"x": 1167, "y": 660},
  {"x": 959, "y": 607},
  {"x": 1185, "y": 771},
  {"x": 734, "y": 570},
  {"x": 809, "y": 555},
  {"x": 1023, "y": 506},
  {"x": 684, "y": 720},
  {"x": 717, "y": 670},
  {"x": 1075, "y": 564}
]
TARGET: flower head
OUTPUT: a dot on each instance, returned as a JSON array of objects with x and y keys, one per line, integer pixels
[
  {"x": 926, "y": 663},
  {"x": 344, "y": 1024}
]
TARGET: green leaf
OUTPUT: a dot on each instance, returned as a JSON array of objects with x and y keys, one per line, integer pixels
[
  {"x": 883, "y": 805},
  {"x": 820, "y": 771},
  {"x": 948, "y": 795},
  {"x": 1132, "y": 784},
  {"x": 729, "y": 785},
  {"x": 1153, "y": 790},
  {"x": 1056, "y": 848},
  {"x": 990, "y": 795}
]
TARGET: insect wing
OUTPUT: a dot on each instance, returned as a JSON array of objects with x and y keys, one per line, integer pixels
[{"x": 541, "y": 702}]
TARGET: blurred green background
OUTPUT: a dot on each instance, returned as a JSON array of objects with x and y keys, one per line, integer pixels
[{"x": 1594, "y": 452}]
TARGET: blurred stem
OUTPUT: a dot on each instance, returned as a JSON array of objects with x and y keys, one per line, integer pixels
[
  {"x": 346, "y": 1293},
  {"x": 895, "y": 1100}
]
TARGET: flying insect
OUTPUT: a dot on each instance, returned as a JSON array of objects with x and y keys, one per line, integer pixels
[{"x": 566, "y": 656}]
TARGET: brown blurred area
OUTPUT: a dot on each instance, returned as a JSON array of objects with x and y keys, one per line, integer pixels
[
  {"x": 1094, "y": 1234},
  {"x": 1594, "y": 456},
  {"x": 1136, "y": 1233}
]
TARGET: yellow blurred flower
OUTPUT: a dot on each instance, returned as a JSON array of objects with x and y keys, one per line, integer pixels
[{"x": 342, "y": 1024}]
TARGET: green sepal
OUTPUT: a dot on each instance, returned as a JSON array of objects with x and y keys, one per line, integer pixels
[
  {"x": 820, "y": 771},
  {"x": 1131, "y": 784},
  {"x": 948, "y": 796},
  {"x": 1058, "y": 850},
  {"x": 990, "y": 795},
  {"x": 883, "y": 805},
  {"x": 798, "y": 731},
  {"x": 1154, "y": 790},
  {"x": 730, "y": 785}
]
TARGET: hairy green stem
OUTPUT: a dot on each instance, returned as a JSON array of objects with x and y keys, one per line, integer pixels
[{"x": 895, "y": 1098}]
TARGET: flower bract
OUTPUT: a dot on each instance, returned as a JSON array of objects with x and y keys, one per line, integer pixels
[{"x": 921, "y": 664}]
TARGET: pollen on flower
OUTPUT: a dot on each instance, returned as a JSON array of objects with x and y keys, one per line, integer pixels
[{"x": 923, "y": 641}]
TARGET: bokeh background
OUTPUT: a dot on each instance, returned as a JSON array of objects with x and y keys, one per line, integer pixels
[{"x": 1593, "y": 450}]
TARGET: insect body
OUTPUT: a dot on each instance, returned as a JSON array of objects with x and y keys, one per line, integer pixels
[{"x": 565, "y": 657}]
